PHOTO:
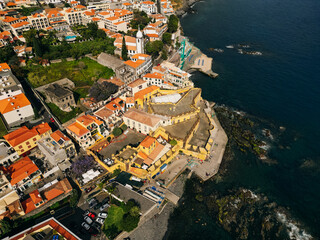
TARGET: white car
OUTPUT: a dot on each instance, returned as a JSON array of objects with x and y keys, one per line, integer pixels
[
  {"x": 102, "y": 215},
  {"x": 88, "y": 220},
  {"x": 106, "y": 205},
  {"x": 85, "y": 226},
  {"x": 100, "y": 220}
]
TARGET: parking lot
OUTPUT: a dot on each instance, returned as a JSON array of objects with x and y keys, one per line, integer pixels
[{"x": 74, "y": 221}]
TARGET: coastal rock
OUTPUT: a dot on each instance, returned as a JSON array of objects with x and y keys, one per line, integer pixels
[{"x": 186, "y": 7}]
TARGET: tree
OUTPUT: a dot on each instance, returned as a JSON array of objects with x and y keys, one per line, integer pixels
[
  {"x": 82, "y": 165},
  {"x": 102, "y": 91},
  {"x": 117, "y": 131},
  {"x": 73, "y": 200},
  {"x": 29, "y": 36},
  {"x": 124, "y": 50},
  {"x": 134, "y": 211},
  {"x": 129, "y": 222},
  {"x": 173, "y": 23},
  {"x": 166, "y": 38},
  {"x": 154, "y": 48},
  {"x": 124, "y": 127},
  {"x": 164, "y": 54},
  {"x": 6, "y": 53},
  {"x": 51, "y": 5},
  {"x": 5, "y": 226},
  {"x": 37, "y": 48},
  {"x": 67, "y": 5}
]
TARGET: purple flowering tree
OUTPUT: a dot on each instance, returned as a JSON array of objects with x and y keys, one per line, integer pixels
[{"x": 82, "y": 165}]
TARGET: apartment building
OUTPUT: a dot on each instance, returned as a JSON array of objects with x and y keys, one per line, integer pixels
[
  {"x": 155, "y": 30},
  {"x": 148, "y": 7},
  {"x": 16, "y": 109},
  {"x": 141, "y": 63},
  {"x": 39, "y": 21}
]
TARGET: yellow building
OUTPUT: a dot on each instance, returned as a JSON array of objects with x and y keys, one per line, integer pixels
[
  {"x": 24, "y": 139},
  {"x": 145, "y": 95}
]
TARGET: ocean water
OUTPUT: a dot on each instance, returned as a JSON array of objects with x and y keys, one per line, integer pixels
[{"x": 281, "y": 88}]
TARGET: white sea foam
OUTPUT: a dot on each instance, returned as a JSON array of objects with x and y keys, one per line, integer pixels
[{"x": 293, "y": 230}]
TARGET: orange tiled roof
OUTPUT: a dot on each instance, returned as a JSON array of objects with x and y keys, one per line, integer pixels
[
  {"x": 9, "y": 19},
  {"x": 136, "y": 83},
  {"x": 42, "y": 128},
  {"x": 11, "y": 4},
  {"x": 86, "y": 120},
  {"x": 143, "y": 92},
  {"x": 57, "y": 135},
  {"x": 147, "y": 142},
  {"x": 57, "y": 189},
  {"x": 135, "y": 64},
  {"x": 142, "y": 117},
  {"x": 4, "y": 66},
  {"x": 137, "y": 55},
  {"x": 21, "y": 169},
  {"x": 115, "y": 104},
  {"x": 28, "y": 205},
  {"x": 19, "y": 24},
  {"x": 154, "y": 75},
  {"x": 20, "y": 135},
  {"x": 148, "y": 3},
  {"x": 53, "y": 193},
  {"x": 35, "y": 196},
  {"x": 130, "y": 100},
  {"x": 142, "y": 155},
  {"x": 103, "y": 113},
  {"x": 77, "y": 129},
  {"x": 80, "y": 6}
]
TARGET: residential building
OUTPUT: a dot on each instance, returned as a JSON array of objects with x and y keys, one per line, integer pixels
[
  {"x": 175, "y": 75},
  {"x": 157, "y": 79},
  {"x": 60, "y": 96},
  {"x": 131, "y": 44},
  {"x": 148, "y": 7},
  {"x": 20, "y": 27},
  {"x": 159, "y": 17},
  {"x": 57, "y": 19},
  {"x": 7, "y": 154},
  {"x": 9, "y": 85},
  {"x": 145, "y": 95},
  {"x": 10, "y": 205},
  {"x": 86, "y": 129},
  {"x": 114, "y": 80},
  {"x": 4, "y": 67},
  {"x": 140, "y": 63},
  {"x": 23, "y": 174},
  {"x": 155, "y": 30},
  {"x": 142, "y": 121},
  {"x": 137, "y": 86},
  {"x": 58, "y": 149},
  {"x": 16, "y": 109},
  {"x": 23, "y": 51},
  {"x": 39, "y": 21},
  {"x": 47, "y": 229},
  {"x": 23, "y": 140},
  {"x": 37, "y": 199},
  {"x": 73, "y": 16},
  {"x": 117, "y": 106},
  {"x": 5, "y": 38}
]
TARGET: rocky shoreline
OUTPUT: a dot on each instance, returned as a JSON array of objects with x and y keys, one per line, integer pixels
[{"x": 187, "y": 7}]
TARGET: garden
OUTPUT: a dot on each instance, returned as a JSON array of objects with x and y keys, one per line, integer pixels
[{"x": 121, "y": 217}]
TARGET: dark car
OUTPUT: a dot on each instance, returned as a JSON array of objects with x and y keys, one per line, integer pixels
[
  {"x": 106, "y": 200},
  {"x": 97, "y": 206},
  {"x": 92, "y": 202},
  {"x": 87, "y": 190}
]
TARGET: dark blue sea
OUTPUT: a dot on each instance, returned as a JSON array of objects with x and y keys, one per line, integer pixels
[{"x": 281, "y": 88}]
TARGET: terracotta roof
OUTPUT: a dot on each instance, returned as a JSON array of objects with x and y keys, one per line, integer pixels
[
  {"x": 153, "y": 35},
  {"x": 10, "y": 4},
  {"x": 57, "y": 189},
  {"x": 142, "y": 155},
  {"x": 42, "y": 128},
  {"x": 54, "y": 13},
  {"x": 115, "y": 104},
  {"x": 136, "y": 83},
  {"x": 19, "y": 24},
  {"x": 35, "y": 196},
  {"x": 140, "y": 55},
  {"x": 95, "y": 19},
  {"x": 116, "y": 81},
  {"x": 80, "y": 6},
  {"x": 148, "y": 3},
  {"x": 130, "y": 100},
  {"x": 103, "y": 113},
  {"x": 4, "y": 66},
  {"x": 154, "y": 75},
  {"x": 77, "y": 129},
  {"x": 135, "y": 64},
  {"x": 21, "y": 169},
  {"x": 148, "y": 141},
  {"x": 126, "y": 4},
  {"x": 28, "y": 205},
  {"x": 142, "y": 117},
  {"x": 9, "y": 19},
  {"x": 143, "y": 92},
  {"x": 20, "y": 135},
  {"x": 57, "y": 135}
]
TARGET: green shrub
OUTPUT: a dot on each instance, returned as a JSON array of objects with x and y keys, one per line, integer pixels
[
  {"x": 124, "y": 127},
  {"x": 173, "y": 142},
  {"x": 117, "y": 132}
]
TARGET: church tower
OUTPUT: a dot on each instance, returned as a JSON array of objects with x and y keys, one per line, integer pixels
[{"x": 139, "y": 42}]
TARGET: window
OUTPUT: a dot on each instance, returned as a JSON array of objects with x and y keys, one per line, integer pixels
[
  {"x": 28, "y": 143},
  {"x": 20, "y": 147},
  {"x": 34, "y": 139}
]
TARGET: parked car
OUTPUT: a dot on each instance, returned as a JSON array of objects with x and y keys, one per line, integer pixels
[
  {"x": 92, "y": 202},
  {"x": 86, "y": 212},
  {"x": 85, "y": 226},
  {"x": 87, "y": 190},
  {"x": 97, "y": 206},
  {"x": 104, "y": 206},
  {"x": 106, "y": 200},
  {"x": 102, "y": 215},
  {"x": 100, "y": 220},
  {"x": 88, "y": 219},
  {"x": 91, "y": 215}
]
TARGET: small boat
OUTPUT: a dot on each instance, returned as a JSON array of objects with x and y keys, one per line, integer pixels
[{"x": 230, "y": 46}]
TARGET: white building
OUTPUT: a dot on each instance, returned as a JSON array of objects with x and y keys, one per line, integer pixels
[
  {"x": 7, "y": 154},
  {"x": 74, "y": 16},
  {"x": 158, "y": 79},
  {"x": 137, "y": 86},
  {"x": 142, "y": 121},
  {"x": 16, "y": 109},
  {"x": 148, "y": 7},
  {"x": 155, "y": 30},
  {"x": 175, "y": 75},
  {"x": 141, "y": 63},
  {"x": 39, "y": 21}
]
